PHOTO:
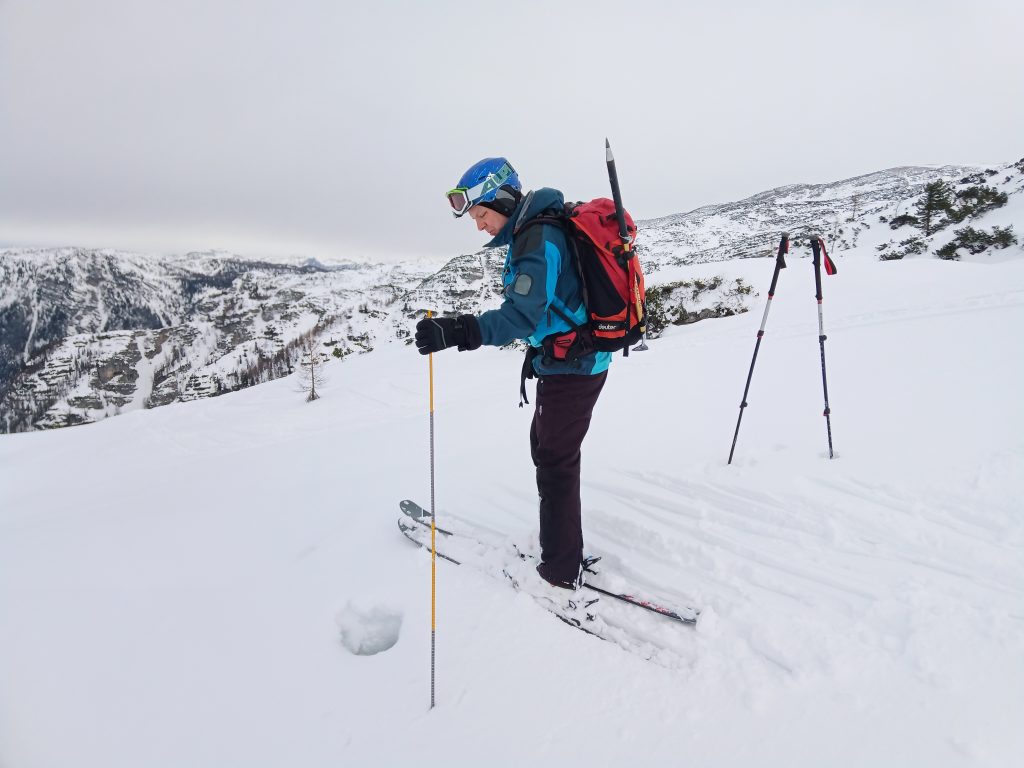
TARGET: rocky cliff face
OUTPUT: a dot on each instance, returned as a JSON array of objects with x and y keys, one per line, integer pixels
[{"x": 85, "y": 334}]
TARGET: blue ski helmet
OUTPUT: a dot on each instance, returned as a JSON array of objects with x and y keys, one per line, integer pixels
[{"x": 492, "y": 183}]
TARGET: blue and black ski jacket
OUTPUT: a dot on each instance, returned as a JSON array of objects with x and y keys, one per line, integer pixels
[{"x": 539, "y": 273}]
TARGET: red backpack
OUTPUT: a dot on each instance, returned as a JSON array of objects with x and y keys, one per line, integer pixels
[{"x": 611, "y": 280}]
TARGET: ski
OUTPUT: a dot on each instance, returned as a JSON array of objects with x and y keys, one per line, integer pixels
[
  {"x": 688, "y": 616},
  {"x": 414, "y": 534},
  {"x": 420, "y": 515},
  {"x": 409, "y": 532}
]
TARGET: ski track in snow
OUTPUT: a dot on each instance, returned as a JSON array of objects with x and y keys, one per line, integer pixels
[{"x": 776, "y": 554}]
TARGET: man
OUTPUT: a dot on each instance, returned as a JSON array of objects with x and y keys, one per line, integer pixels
[{"x": 542, "y": 294}]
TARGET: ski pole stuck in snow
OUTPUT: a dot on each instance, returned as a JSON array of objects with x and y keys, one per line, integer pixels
[
  {"x": 818, "y": 249},
  {"x": 433, "y": 534},
  {"x": 780, "y": 264}
]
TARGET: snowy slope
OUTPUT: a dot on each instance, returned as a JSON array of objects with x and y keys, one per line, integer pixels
[{"x": 174, "y": 583}]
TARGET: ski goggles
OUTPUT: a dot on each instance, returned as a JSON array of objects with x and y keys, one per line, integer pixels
[{"x": 461, "y": 199}]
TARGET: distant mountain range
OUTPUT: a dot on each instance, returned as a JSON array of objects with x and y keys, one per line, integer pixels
[{"x": 86, "y": 334}]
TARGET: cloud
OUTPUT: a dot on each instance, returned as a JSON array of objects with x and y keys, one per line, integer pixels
[{"x": 268, "y": 126}]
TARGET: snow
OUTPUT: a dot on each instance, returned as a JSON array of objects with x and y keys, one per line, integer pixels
[
  {"x": 222, "y": 582},
  {"x": 31, "y": 332}
]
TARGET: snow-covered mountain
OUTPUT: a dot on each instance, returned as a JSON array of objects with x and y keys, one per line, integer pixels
[
  {"x": 85, "y": 334},
  {"x": 89, "y": 333}
]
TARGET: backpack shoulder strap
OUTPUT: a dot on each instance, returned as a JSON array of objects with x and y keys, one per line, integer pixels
[
  {"x": 563, "y": 221},
  {"x": 558, "y": 220}
]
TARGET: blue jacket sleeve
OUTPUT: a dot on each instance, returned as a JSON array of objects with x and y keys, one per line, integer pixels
[{"x": 534, "y": 264}]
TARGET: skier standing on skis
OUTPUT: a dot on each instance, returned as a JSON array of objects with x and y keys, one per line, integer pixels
[{"x": 541, "y": 285}]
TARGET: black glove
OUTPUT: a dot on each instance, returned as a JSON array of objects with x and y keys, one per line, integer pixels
[{"x": 436, "y": 333}]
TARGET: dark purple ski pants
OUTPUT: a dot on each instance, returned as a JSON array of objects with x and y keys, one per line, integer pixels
[{"x": 564, "y": 404}]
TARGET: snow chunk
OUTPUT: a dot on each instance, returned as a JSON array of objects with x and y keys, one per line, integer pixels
[{"x": 366, "y": 631}]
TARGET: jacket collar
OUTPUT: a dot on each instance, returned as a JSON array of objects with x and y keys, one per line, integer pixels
[
  {"x": 533, "y": 203},
  {"x": 504, "y": 237}
]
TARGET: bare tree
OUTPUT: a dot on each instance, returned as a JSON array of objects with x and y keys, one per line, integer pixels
[{"x": 311, "y": 368}]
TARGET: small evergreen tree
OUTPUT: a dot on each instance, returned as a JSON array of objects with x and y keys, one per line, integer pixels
[
  {"x": 933, "y": 209},
  {"x": 976, "y": 241},
  {"x": 903, "y": 220},
  {"x": 974, "y": 201}
]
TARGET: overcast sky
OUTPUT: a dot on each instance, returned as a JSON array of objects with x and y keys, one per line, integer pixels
[{"x": 333, "y": 129}]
